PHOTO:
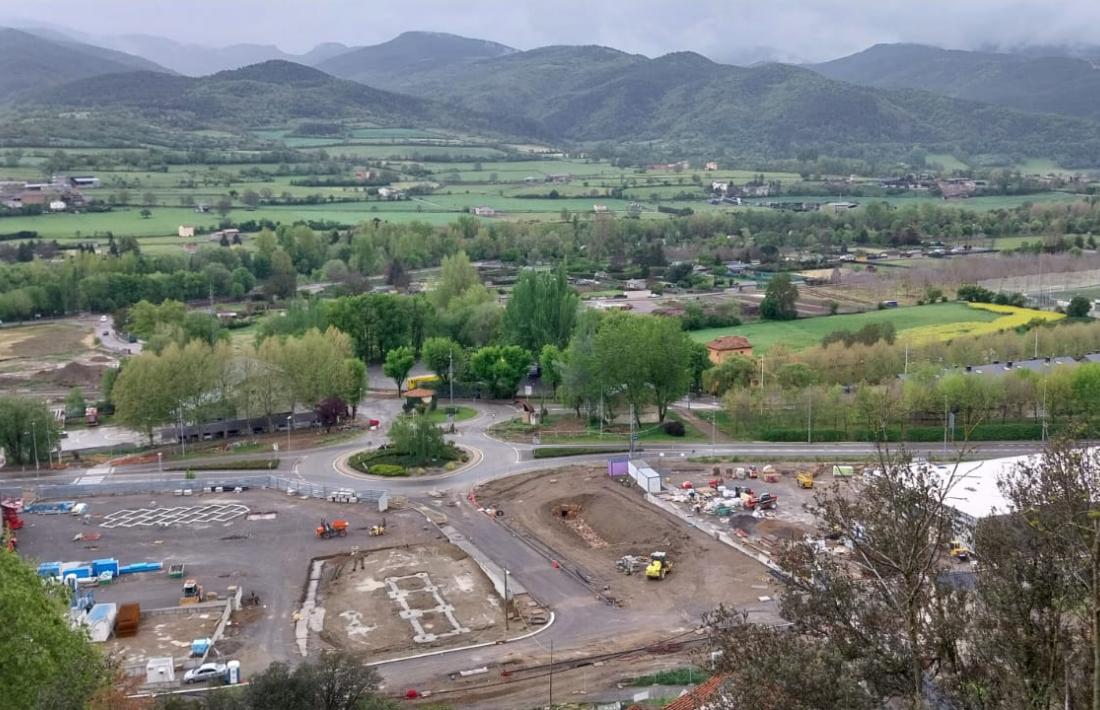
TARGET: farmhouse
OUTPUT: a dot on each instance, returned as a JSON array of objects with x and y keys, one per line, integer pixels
[
  {"x": 719, "y": 349},
  {"x": 57, "y": 205},
  {"x": 710, "y": 166},
  {"x": 389, "y": 193},
  {"x": 185, "y": 231},
  {"x": 599, "y": 209},
  {"x": 717, "y": 186},
  {"x": 230, "y": 235},
  {"x": 484, "y": 211},
  {"x": 559, "y": 177},
  {"x": 84, "y": 181},
  {"x": 956, "y": 189}
]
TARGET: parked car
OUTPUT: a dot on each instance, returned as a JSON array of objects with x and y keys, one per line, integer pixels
[{"x": 204, "y": 673}]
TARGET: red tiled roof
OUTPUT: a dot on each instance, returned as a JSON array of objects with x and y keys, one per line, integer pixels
[
  {"x": 696, "y": 699},
  {"x": 729, "y": 342}
]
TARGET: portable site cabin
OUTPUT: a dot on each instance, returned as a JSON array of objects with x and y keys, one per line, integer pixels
[
  {"x": 646, "y": 478},
  {"x": 843, "y": 471}
]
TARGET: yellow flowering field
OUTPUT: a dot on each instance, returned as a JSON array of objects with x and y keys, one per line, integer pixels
[{"x": 1012, "y": 317}]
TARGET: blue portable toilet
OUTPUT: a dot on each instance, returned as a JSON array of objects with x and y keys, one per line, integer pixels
[
  {"x": 200, "y": 646},
  {"x": 49, "y": 569}
]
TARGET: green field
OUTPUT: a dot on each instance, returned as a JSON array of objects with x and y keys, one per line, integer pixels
[
  {"x": 948, "y": 161},
  {"x": 807, "y": 332}
]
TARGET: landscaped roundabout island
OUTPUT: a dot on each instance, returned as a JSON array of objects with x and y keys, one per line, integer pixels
[{"x": 416, "y": 448}]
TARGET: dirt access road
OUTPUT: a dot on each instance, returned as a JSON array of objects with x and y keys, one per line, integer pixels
[{"x": 589, "y": 520}]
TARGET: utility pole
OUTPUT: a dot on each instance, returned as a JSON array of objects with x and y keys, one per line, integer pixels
[
  {"x": 907, "y": 358},
  {"x": 551, "y": 673},
  {"x": 945, "y": 424},
  {"x": 451, "y": 375},
  {"x": 632, "y": 430},
  {"x": 809, "y": 418},
  {"x": 183, "y": 439},
  {"x": 713, "y": 427},
  {"x": 505, "y": 599}
]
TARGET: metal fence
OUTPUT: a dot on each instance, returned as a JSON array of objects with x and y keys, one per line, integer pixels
[{"x": 293, "y": 486}]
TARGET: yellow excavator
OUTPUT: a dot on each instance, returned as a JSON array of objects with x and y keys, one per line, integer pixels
[
  {"x": 805, "y": 479},
  {"x": 378, "y": 530},
  {"x": 659, "y": 565},
  {"x": 959, "y": 551}
]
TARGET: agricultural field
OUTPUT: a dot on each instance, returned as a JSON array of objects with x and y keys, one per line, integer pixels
[
  {"x": 457, "y": 173},
  {"x": 940, "y": 321}
]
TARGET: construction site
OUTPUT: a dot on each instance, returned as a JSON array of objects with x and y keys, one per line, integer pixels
[
  {"x": 223, "y": 568},
  {"x": 604, "y": 532},
  {"x": 407, "y": 599}
]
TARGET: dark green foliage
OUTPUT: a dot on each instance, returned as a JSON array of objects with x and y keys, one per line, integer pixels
[
  {"x": 541, "y": 311},
  {"x": 549, "y": 452},
  {"x": 780, "y": 299},
  {"x": 1048, "y": 84},
  {"x": 247, "y": 465},
  {"x": 867, "y": 335},
  {"x": 673, "y": 427},
  {"x": 974, "y": 294},
  {"x": 47, "y": 664},
  {"x": 1079, "y": 307},
  {"x": 418, "y": 438},
  {"x": 499, "y": 367}
]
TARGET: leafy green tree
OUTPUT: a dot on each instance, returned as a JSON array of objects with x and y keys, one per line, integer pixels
[
  {"x": 582, "y": 385},
  {"x": 457, "y": 276},
  {"x": 780, "y": 299},
  {"x": 541, "y": 309},
  {"x": 499, "y": 367},
  {"x": 315, "y": 366},
  {"x": 439, "y": 353},
  {"x": 335, "y": 681},
  {"x": 399, "y": 362},
  {"x": 75, "y": 404},
  {"x": 795, "y": 375},
  {"x": 356, "y": 384},
  {"x": 699, "y": 360},
  {"x": 48, "y": 664},
  {"x": 648, "y": 357},
  {"x": 25, "y": 422},
  {"x": 416, "y": 436},
  {"x": 1079, "y": 307},
  {"x": 736, "y": 371}
]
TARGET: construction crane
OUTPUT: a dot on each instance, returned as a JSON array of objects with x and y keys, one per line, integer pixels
[{"x": 659, "y": 565}]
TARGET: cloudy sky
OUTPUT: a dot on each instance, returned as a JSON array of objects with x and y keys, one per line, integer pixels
[{"x": 726, "y": 30}]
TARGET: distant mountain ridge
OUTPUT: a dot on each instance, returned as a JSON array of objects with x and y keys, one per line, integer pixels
[
  {"x": 1049, "y": 84},
  {"x": 409, "y": 53},
  {"x": 29, "y": 62}
]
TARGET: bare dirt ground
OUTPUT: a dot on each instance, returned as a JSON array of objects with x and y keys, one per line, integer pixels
[
  {"x": 408, "y": 599},
  {"x": 167, "y": 636},
  {"x": 592, "y": 521},
  {"x": 48, "y": 358}
]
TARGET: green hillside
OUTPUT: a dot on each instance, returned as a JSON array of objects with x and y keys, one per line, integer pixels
[
  {"x": 408, "y": 53},
  {"x": 28, "y": 62},
  {"x": 1061, "y": 85},
  {"x": 593, "y": 94}
]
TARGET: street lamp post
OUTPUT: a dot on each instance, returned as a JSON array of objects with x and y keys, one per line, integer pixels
[
  {"x": 160, "y": 462},
  {"x": 505, "y": 599},
  {"x": 289, "y": 426},
  {"x": 34, "y": 442}
]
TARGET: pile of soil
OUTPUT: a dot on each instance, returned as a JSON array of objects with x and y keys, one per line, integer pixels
[{"x": 72, "y": 374}]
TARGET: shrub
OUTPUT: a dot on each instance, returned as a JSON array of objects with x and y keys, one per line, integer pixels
[
  {"x": 246, "y": 465},
  {"x": 387, "y": 469},
  {"x": 549, "y": 452},
  {"x": 673, "y": 428}
]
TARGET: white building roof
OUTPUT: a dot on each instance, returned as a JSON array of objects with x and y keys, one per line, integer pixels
[{"x": 975, "y": 493}]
